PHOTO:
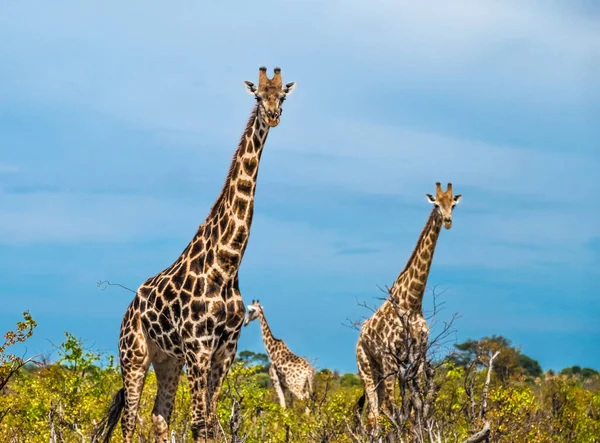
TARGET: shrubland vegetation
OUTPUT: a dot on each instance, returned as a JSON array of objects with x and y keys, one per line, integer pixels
[{"x": 64, "y": 400}]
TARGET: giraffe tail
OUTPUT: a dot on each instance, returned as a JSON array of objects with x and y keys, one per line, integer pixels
[
  {"x": 109, "y": 422},
  {"x": 360, "y": 404}
]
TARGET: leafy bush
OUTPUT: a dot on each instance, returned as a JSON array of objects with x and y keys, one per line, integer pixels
[{"x": 63, "y": 401}]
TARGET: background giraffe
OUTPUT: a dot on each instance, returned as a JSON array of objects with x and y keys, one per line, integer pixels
[
  {"x": 289, "y": 373},
  {"x": 380, "y": 335},
  {"x": 192, "y": 312}
]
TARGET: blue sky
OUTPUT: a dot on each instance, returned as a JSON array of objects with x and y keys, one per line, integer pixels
[{"x": 118, "y": 122}]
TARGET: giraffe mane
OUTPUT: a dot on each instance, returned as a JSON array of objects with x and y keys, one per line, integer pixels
[
  {"x": 430, "y": 220},
  {"x": 225, "y": 190}
]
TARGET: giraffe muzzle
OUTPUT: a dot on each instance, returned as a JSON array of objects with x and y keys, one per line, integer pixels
[
  {"x": 272, "y": 118},
  {"x": 247, "y": 319}
]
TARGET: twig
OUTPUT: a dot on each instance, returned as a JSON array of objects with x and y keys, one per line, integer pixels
[
  {"x": 352, "y": 435},
  {"x": 103, "y": 283}
]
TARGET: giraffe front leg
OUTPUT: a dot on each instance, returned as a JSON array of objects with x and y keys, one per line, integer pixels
[
  {"x": 387, "y": 387},
  {"x": 168, "y": 371},
  {"x": 198, "y": 371},
  {"x": 221, "y": 362},
  {"x": 277, "y": 385},
  {"x": 307, "y": 392}
]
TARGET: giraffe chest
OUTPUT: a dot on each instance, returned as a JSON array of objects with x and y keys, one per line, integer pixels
[{"x": 178, "y": 317}]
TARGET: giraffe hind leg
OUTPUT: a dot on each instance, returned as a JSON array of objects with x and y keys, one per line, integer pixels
[
  {"x": 135, "y": 361},
  {"x": 369, "y": 374}
]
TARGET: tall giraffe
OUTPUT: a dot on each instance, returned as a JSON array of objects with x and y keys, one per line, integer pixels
[
  {"x": 381, "y": 335},
  {"x": 289, "y": 373},
  {"x": 192, "y": 312}
]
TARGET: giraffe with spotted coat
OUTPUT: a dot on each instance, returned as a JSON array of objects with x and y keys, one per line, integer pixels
[{"x": 192, "y": 312}]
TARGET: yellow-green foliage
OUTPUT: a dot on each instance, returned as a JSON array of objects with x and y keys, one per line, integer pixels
[
  {"x": 9, "y": 362},
  {"x": 265, "y": 421},
  {"x": 72, "y": 388},
  {"x": 70, "y": 396}
]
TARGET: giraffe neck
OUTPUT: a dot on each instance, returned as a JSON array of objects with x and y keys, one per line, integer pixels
[
  {"x": 409, "y": 288},
  {"x": 271, "y": 343},
  {"x": 223, "y": 237}
]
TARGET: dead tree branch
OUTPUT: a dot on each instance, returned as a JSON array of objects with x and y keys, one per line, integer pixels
[
  {"x": 17, "y": 364},
  {"x": 480, "y": 436},
  {"x": 486, "y": 386},
  {"x": 235, "y": 421}
]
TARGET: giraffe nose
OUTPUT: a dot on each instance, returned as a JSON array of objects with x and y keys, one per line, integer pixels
[{"x": 447, "y": 220}]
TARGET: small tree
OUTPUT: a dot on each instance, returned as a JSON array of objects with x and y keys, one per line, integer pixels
[{"x": 10, "y": 364}]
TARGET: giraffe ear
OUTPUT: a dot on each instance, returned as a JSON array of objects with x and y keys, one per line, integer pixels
[
  {"x": 250, "y": 87},
  {"x": 457, "y": 198},
  {"x": 430, "y": 198},
  {"x": 289, "y": 87}
]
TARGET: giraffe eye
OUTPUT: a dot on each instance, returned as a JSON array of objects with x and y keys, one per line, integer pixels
[{"x": 436, "y": 206}]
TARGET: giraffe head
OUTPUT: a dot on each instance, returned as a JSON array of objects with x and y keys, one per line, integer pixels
[
  {"x": 270, "y": 94},
  {"x": 254, "y": 311},
  {"x": 444, "y": 203}
]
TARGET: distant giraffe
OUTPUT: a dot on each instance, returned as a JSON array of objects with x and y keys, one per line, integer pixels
[
  {"x": 380, "y": 336},
  {"x": 289, "y": 373},
  {"x": 192, "y": 312}
]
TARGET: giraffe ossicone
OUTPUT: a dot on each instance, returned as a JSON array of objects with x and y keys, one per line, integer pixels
[
  {"x": 192, "y": 312},
  {"x": 380, "y": 341}
]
